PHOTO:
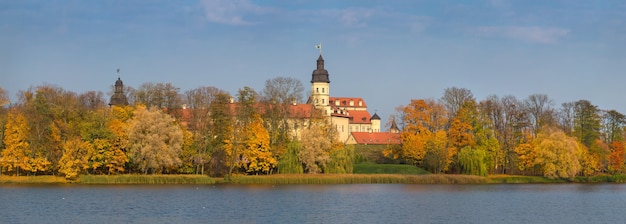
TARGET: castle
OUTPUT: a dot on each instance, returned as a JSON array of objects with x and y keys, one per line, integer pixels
[{"x": 348, "y": 115}]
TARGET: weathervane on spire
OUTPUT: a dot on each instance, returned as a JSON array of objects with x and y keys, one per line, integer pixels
[
  {"x": 319, "y": 46},
  {"x": 118, "y": 73}
]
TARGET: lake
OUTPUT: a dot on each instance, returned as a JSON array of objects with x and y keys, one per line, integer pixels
[{"x": 368, "y": 203}]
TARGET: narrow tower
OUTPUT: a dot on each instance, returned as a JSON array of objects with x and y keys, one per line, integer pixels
[
  {"x": 320, "y": 85},
  {"x": 118, "y": 98}
]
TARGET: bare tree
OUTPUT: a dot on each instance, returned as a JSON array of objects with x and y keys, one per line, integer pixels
[
  {"x": 540, "y": 112},
  {"x": 454, "y": 98}
]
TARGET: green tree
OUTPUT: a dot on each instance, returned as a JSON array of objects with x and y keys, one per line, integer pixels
[
  {"x": 221, "y": 133},
  {"x": 472, "y": 161},
  {"x": 289, "y": 162}
]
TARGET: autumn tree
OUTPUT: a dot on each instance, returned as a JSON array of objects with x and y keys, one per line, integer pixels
[
  {"x": 616, "y": 158},
  {"x": 421, "y": 121},
  {"x": 257, "y": 155},
  {"x": 557, "y": 154},
  {"x": 4, "y": 100},
  {"x": 15, "y": 156},
  {"x": 526, "y": 154},
  {"x": 75, "y": 159},
  {"x": 155, "y": 140},
  {"x": 115, "y": 153}
]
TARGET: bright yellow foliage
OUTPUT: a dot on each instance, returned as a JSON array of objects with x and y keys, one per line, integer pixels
[
  {"x": 75, "y": 159},
  {"x": 257, "y": 154},
  {"x": 15, "y": 155}
]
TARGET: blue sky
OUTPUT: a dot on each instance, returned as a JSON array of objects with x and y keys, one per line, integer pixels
[{"x": 387, "y": 52}]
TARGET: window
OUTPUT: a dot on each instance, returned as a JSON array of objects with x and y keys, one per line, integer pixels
[
  {"x": 317, "y": 90},
  {"x": 323, "y": 89},
  {"x": 323, "y": 101}
]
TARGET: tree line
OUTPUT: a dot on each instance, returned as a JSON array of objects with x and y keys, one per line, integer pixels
[
  {"x": 50, "y": 130},
  {"x": 506, "y": 135}
]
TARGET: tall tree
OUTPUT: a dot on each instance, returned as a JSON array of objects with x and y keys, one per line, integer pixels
[
  {"x": 613, "y": 126},
  {"x": 222, "y": 125},
  {"x": 155, "y": 140},
  {"x": 586, "y": 122}
]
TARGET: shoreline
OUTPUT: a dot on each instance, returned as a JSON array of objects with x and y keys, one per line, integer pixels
[{"x": 307, "y": 179}]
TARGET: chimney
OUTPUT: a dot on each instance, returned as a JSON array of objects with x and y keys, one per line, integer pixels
[
  {"x": 294, "y": 102},
  {"x": 232, "y": 99}
]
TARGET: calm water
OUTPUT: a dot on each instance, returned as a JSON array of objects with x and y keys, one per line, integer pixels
[{"x": 561, "y": 203}]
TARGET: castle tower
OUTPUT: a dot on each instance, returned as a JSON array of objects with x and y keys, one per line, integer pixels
[
  {"x": 320, "y": 87},
  {"x": 118, "y": 98}
]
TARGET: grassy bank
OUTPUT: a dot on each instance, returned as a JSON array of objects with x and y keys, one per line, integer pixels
[
  {"x": 360, "y": 179},
  {"x": 4, "y": 179},
  {"x": 372, "y": 168},
  {"x": 145, "y": 179}
]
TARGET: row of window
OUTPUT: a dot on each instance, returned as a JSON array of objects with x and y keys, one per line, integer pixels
[
  {"x": 355, "y": 128},
  {"x": 317, "y": 90}
]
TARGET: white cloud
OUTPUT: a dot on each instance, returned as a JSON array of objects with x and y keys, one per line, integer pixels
[
  {"x": 231, "y": 12},
  {"x": 544, "y": 35}
]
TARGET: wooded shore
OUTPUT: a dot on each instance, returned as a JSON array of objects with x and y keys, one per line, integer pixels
[{"x": 308, "y": 179}]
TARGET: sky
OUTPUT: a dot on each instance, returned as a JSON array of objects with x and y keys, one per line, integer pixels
[{"x": 387, "y": 52}]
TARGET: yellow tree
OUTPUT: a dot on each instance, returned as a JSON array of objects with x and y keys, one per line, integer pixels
[
  {"x": 526, "y": 153},
  {"x": 14, "y": 156},
  {"x": 75, "y": 159},
  {"x": 438, "y": 155},
  {"x": 257, "y": 155},
  {"x": 419, "y": 126},
  {"x": 114, "y": 156},
  {"x": 557, "y": 153}
]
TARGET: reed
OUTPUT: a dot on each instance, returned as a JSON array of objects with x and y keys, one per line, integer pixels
[
  {"x": 145, "y": 179},
  {"x": 372, "y": 168},
  {"x": 4, "y": 179},
  {"x": 618, "y": 178},
  {"x": 361, "y": 179}
]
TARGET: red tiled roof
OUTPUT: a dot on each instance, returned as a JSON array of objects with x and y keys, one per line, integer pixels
[
  {"x": 359, "y": 117},
  {"x": 376, "y": 138},
  {"x": 345, "y": 102}
]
